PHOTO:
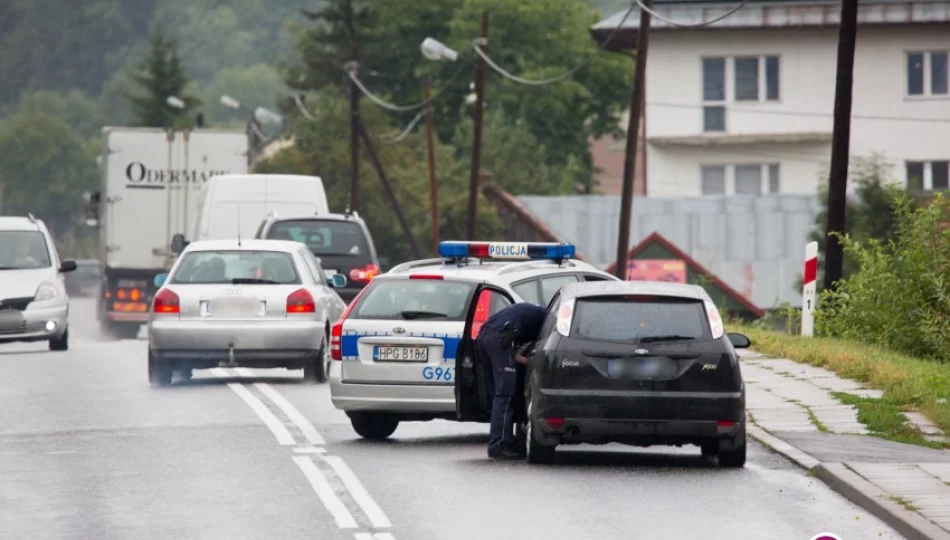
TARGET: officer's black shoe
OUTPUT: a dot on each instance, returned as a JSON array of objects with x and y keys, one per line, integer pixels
[{"x": 505, "y": 454}]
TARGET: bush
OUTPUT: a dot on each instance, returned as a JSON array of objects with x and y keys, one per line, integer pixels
[{"x": 900, "y": 296}]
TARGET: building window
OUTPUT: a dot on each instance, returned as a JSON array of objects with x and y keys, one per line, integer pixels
[
  {"x": 775, "y": 185},
  {"x": 928, "y": 175},
  {"x": 748, "y": 179},
  {"x": 744, "y": 179},
  {"x": 749, "y": 84},
  {"x": 713, "y": 179},
  {"x": 714, "y": 94},
  {"x": 771, "y": 78},
  {"x": 927, "y": 74}
]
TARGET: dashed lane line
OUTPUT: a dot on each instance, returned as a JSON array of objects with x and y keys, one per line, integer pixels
[
  {"x": 362, "y": 497},
  {"x": 294, "y": 414},
  {"x": 373, "y": 536}
]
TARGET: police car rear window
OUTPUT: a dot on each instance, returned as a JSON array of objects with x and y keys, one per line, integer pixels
[
  {"x": 631, "y": 319},
  {"x": 415, "y": 299}
]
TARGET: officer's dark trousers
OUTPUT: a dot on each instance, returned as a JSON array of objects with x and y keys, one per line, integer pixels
[{"x": 501, "y": 386}]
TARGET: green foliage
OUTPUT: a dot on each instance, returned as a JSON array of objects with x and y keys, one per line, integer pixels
[
  {"x": 869, "y": 213},
  {"x": 46, "y": 167},
  {"x": 535, "y": 40},
  {"x": 899, "y": 297},
  {"x": 162, "y": 75}
]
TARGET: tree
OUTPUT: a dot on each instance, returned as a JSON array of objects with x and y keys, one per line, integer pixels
[
  {"x": 870, "y": 209},
  {"x": 537, "y": 39},
  {"x": 46, "y": 167},
  {"x": 162, "y": 75}
]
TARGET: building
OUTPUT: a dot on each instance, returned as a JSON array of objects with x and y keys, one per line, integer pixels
[
  {"x": 744, "y": 106},
  {"x": 608, "y": 156}
]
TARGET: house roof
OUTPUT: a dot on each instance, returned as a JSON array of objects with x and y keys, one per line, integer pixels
[
  {"x": 656, "y": 238},
  {"x": 773, "y": 14}
]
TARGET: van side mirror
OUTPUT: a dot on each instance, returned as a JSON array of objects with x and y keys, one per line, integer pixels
[
  {"x": 739, "y": 341},
  {"x": 67, "y": 266},
  {"x": 178, "y": 243},
  {"x": 338, "y": 281},
  {"x": 160, "y": 280}
]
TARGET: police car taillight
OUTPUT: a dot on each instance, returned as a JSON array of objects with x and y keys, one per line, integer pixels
[
  {"x": 565, "y": 315},
  {"x": 336, "y": 331},
  {"x": 715, "y": 321}
]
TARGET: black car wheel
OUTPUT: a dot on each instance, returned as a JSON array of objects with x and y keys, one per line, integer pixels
[
  {"x": 61, "y": 343},
  {"x": 159, "y": 373},
  {"x": 536, "y": 452},
  {"x": 733, "y": 453},
  {"x": 374, "y": 426}
]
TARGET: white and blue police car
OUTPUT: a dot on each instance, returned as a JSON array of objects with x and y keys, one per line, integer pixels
[{"x": 394, "y": 350}]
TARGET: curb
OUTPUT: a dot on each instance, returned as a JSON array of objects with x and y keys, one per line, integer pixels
[
  {"x": 775, "y": 444},
  {"x": 855, "y": 488}
]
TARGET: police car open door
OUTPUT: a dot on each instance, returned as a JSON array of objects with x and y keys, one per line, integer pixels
[{"x": 472, "y": 374}]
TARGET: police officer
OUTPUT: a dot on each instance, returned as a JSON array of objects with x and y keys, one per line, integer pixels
[{"x": 511, "y": 327}]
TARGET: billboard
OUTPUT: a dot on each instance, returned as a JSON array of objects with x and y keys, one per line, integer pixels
[{"x": 671, "y": 270}]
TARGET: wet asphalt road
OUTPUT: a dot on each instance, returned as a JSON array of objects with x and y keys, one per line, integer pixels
[{"x": 89, "y": 451}]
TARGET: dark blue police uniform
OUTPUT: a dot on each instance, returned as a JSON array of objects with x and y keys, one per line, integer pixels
[{"x": 510, "y": 327}]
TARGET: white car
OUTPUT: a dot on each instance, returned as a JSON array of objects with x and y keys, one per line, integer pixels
[
  {"x": 250, "y": 303},
  {"x": 396, "y": 345},
  {"x": 33, "y": 301}
]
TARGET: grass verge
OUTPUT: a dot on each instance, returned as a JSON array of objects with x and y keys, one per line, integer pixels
[
  {"x": 885, "y": 419},
  {"x": 907, "y": 382}
]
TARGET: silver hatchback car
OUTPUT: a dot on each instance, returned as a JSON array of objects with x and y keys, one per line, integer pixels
[
  {"x": 33, "y": 301},
  {"x": 251, "y": 303}
]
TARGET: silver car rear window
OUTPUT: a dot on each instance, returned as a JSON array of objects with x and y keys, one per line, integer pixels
[
  {"x": 227, "y": 266},
  {"x": 432, "y": 299}
]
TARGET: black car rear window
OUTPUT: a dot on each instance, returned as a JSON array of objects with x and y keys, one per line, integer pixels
[
  {"x": 328, "y": 237},
  {"x": 631, "y": 319},
  {"x": 411, "y": 299}
]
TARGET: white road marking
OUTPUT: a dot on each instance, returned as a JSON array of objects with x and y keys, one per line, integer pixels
[
  {"x": 362, "y": 497},
  {"x": 310, "y": 450},
  {"x": 310, "y": 432},
  {"x": 280, "y": 432},
  {"x": 372, "y": 536},
  {"x": 344, "y": 519}
]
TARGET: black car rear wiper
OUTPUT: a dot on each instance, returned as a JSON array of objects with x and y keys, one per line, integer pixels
[
  {"x": 409, "y": 315},
  {"x": 252, "y": 281},
  {"x": 672, "y": 337}
]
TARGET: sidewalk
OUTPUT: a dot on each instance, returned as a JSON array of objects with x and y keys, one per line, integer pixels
[{"x": 792, "y": 409}]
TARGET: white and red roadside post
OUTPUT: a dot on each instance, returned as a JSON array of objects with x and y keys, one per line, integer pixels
[{"x": 808, "y": 288}]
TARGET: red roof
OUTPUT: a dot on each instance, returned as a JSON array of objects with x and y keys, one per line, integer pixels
[{"x": 656, "y": 238}]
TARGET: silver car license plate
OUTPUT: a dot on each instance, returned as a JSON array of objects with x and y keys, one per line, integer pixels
[{"x": 233, "y": 308}]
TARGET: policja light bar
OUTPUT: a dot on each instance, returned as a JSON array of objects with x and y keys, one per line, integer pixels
[{"x": 507, "y": 250}]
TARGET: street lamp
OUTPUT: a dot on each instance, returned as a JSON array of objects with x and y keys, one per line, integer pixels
[
  {"x": 175, "y": 102},
  {"x": 435, "y": 50},
  {"x": 256, "y": 118}
]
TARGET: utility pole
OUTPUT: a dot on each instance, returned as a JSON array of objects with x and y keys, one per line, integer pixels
[
  {"x": 433, "y": 183},
  {"x": 633, "y": 138},
  {"x": 840, "y": 144},
  {"x": 477, "y": 141},
  {"x": 355, "y": 121},
  {"x": 390, "y": 194}
]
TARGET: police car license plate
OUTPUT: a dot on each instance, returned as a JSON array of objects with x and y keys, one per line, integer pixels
[{"x": 400, "y": 354}]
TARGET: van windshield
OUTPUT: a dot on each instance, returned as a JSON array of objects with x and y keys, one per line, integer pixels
[
  {"x": 22, "y": 250},
  {"x": 323, "y": 237}
]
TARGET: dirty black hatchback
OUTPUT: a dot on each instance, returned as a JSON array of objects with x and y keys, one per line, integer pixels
[{"x": 639, "y": 363}]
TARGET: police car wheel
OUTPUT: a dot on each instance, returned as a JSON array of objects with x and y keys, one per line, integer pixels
[{"x": 374, "y": 426}]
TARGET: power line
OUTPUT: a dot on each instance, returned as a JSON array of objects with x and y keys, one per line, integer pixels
[
  {"x": 402, "y": 108},
  {"x": 588, "y": 60},
  {"x": 393, "y": 139},
  {"x": 799, "y": 113},
  {"x": 702, "y": 24}
]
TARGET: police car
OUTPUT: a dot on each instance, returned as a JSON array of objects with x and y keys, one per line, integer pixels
[{"x": 393, "y": 352}]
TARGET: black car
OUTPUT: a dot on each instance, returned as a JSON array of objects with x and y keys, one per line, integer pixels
[
  {"x": 341, "y": 242},
  {"x": 635, "y": 362}
]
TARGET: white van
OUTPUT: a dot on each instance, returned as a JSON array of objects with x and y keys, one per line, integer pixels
[{"x": 233, "y": 204}]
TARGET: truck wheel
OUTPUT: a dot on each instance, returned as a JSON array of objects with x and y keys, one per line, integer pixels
[
  {"x": 159, "y": 373},
  {"x": 374, "y": 426},
  {"x": 61, "y": 343}
]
